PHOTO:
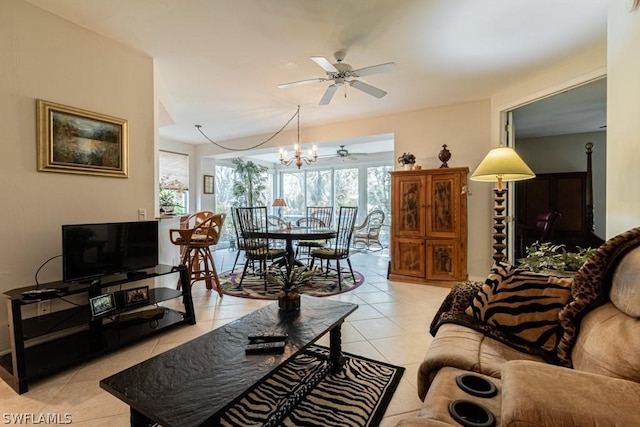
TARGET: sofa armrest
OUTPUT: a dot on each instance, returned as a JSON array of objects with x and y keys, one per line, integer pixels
[
  {"x": 538, "y": 394},
  {"x": 456, "y": 302}
]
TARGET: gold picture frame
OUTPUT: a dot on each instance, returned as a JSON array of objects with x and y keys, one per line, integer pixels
[
  {"x": 71, "y": 140},
  {"x": 208, "y": 187}
]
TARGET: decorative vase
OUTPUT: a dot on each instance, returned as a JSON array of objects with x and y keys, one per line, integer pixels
[
  {"x": 288, "y": 302},
  {"x": 444, "y": 156},
  {"x": 408, "y": 166}
]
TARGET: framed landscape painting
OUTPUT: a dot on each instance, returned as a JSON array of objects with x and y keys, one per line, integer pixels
[{"x": 71, "y": 140}]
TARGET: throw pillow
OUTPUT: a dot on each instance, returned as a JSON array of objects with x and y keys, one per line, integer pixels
[{"x": 523, "y": 303}]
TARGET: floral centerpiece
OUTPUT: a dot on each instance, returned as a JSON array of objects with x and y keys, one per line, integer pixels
[
  {"x": 407, "y": 160},
  {"x": 289, "y": 296},
  {"x": 547, "y": 256}
]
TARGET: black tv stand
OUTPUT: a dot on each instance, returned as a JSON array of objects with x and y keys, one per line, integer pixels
[
  {"x": 136, "y": 274},
  {"x": 45, "y": 344}
]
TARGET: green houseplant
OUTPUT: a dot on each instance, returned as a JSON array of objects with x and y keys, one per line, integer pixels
[
  {"x": 407, "y": 160},
  {"x": 547, "y": 256},
  {"x": 169, "y": 201},
  {"x": 289, "y": 280},
  {"x": 249, "y": 184}
]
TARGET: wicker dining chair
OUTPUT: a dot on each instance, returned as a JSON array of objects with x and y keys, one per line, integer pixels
[{"x": 368, "y": 233}]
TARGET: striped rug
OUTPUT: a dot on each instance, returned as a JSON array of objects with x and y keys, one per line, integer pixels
[{"x": 305, "y": 393}]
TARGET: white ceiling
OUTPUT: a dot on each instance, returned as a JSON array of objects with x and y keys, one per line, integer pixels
[
  {"x": 578, "y": 110},
  {"x": 222, "y": 60}
]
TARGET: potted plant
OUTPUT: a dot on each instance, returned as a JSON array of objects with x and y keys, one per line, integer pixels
[
  {"x": 169, "y": 200},
  {"x": 547, "y": 256},
  {"x": 407, "y": 160},
  {"x": 289, "y": 296}
]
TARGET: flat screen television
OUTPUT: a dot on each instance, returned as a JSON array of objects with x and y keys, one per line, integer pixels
[{"x": 91, "y": 251}]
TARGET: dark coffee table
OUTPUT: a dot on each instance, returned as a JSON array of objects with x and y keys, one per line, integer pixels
[{"x": 193, "y": 384}]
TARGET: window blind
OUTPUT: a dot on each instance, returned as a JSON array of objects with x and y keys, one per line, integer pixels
[{"x": 174, "y": 171}]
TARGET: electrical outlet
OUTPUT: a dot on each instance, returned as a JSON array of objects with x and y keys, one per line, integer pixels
[
  {"x": 142, "y": 214},
  {"x": 44, "y": 307}
]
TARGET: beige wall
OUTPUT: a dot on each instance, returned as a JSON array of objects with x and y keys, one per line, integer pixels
[
  {"x": 42, "y": 56},
  {"x": 623, "y": 119}
]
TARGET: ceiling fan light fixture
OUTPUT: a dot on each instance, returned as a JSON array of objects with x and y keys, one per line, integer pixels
[{"x": 342, "y": 73}]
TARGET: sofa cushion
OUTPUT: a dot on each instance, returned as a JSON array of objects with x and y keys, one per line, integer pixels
[
  {"x": 523, "y": 303},
  {"x": 539, "y": 394},
  {"x": 608, "y": 344},
  {"x": 625, "y": 286}
]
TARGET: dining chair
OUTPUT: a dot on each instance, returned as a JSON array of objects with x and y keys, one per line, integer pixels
[
  {"x": 195, "y": 237},
  {"x": 338, "y": 248},
  {"x": 317, "y": 217},
  {"x": 368, "y": 232},
  {"x": 253, "y": 225},
  {"x": 239, "y": 239}
]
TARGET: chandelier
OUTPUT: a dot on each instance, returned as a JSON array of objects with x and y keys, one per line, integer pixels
[{"x": 298, "y": 158}]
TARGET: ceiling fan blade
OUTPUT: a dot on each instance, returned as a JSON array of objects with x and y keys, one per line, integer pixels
[
  {"x": 328, "y": 94},
  {"x": 301, "y": 82},
  {"x": 325, "y": 64},
  {"x": 367, "y": 88},
  {"x": 375, "y": 69}
]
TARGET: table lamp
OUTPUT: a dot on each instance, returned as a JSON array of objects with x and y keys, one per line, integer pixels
[
  {"x": 501, "y": 164},
  {"x": 279, "y": 203}
]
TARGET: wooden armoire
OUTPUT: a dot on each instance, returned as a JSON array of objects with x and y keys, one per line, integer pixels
[{"x": 429, "y": 226}]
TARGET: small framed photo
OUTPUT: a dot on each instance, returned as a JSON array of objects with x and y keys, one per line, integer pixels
[
  {"x": 71, "y": 140},
  {"x": 208, "y": 184},
  {"x": 102, "y": 305},
  {"x": 136, "y": 296}
]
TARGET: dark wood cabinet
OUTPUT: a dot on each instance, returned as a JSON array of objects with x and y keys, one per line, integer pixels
[
  {"x": 429, "y": 228},
  {"x": 561, "y": 192}
]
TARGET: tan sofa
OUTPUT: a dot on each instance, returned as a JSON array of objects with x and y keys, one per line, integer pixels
[{"x": 583, "y": 371}]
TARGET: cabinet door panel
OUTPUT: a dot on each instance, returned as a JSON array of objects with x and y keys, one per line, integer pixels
[
  {"x": 443, "y": 206},
  {"x": 409, "y": 197},
  {"x": 442, "y": 259},
  {"x": 409, "y": 257}
]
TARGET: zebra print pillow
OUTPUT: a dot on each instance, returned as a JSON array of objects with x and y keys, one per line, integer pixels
[{"x": 522, "y": 303}]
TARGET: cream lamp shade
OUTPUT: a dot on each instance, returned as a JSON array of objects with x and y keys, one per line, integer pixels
[
  {"x": 502, "y": 164},
  {"x": 279, "y": 202}
]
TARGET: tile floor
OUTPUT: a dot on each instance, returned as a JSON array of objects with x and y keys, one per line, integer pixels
[{"x": 391, "y": 324}]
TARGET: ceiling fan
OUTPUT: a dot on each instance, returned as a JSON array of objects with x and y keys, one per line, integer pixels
[
  {"x": 343, "y": 153},
  {"x": 342, "y": 73}
]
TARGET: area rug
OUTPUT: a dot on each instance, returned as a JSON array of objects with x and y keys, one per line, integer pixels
[
  {"x": 305, "y": 393},
  {"x": 318, "y": 286}
]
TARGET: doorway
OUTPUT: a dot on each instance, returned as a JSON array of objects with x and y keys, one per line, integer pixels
[{"x": 551, "y": 135}]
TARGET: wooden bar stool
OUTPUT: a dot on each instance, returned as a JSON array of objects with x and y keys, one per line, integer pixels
[{"x": 195, "y": 238}]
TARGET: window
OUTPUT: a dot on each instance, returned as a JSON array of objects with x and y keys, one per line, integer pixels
[
  {"x": 319, "y": 188},
  {"x": 346, "y": 184},
  {"x": 174, "y": 181},
  {"x": 293, "y": 191}
]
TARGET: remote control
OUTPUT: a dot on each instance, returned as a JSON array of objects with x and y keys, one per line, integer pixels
[
  {"x": 265, "y": 347},
  {"x": 267, "y": 337}
]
